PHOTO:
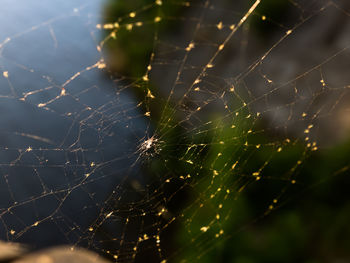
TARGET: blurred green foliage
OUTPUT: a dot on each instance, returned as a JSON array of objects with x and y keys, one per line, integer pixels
[
  {"x": 131, "y": 48},
  {"x": 228, "y": 209},
  {"x": 276, "y": 12},
  {"x": 311, "y": 225}
]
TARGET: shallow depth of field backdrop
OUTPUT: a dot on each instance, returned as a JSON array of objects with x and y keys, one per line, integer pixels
[{"x": 177, "y": 131}]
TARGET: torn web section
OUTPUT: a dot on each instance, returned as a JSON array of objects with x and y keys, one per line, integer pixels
[{"x": 69, "y": 133}]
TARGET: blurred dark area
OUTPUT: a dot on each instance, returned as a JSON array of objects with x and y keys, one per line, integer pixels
[{"x": 175, "y": 131}]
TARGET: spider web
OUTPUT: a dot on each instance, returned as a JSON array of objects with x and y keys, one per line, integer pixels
[{"x": 97, "y": 155}]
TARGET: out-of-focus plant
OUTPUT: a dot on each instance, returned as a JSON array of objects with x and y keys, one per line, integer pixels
[
  {"x": 136, "y": 24},
  {"x": 227, "y": 177}
]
